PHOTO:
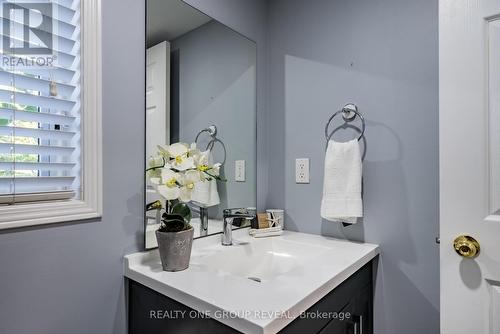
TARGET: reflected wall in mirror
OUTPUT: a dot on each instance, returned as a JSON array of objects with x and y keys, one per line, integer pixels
[{"x": 201, "y": 87}]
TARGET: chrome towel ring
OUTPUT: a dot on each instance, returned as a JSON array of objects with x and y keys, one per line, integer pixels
[
  {"x": 212, "y": 132},
  {"x": 349, "y": 113}
]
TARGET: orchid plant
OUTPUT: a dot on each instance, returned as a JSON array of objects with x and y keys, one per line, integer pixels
[{"x": 175, "y": 172}]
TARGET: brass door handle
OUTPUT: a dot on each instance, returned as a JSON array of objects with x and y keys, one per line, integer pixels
[{"x": 466, "y": 246}]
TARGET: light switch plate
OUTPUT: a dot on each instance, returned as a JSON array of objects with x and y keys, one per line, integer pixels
[
  {"x": 239, "y": 171},
  {"x": 302, "y": 170}
]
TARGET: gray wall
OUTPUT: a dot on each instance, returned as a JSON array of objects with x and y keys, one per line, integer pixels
[
  {"x": 382, "y": 55},
  {"x": 217, "y": 79},
  {"x": 69, "y": 278}
]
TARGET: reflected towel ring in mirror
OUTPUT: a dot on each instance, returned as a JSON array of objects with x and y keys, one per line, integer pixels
[
  {"x": 349, "y": 113},
  {"x": 212, "y": 131},
  {"x": 210, "y": 147}
]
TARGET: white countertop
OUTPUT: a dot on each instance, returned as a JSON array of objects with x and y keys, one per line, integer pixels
[{"x": 249, "y": 306}]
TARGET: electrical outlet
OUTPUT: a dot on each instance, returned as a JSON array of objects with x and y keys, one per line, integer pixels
[
  {"x": 302, "y": 170},
  {"x": 239, "y": 170}
]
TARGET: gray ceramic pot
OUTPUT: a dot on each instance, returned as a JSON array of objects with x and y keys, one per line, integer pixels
[{"x": 175, "y": 249}]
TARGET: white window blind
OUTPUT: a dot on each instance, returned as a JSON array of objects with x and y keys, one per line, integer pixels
[{"x": 40, "y": 154}]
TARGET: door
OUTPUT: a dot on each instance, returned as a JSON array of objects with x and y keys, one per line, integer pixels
[
  {"x": 469, "y": 115},
  {"x": 157, "y": 119},
  {"x": 157, "y": 96}
]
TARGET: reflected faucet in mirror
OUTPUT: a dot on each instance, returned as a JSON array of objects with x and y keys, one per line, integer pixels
[{"x": 203, "y": 214}]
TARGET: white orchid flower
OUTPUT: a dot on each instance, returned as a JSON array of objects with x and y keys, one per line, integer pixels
[
  {"x": 154, "y": 174},
  {"x": 163, "y": 151},
  {"x": 216, "y": 169},
  {"x": 155, "y": 182},
  {"x": 202, "y": 158},
  {"x": 183, "y": 164},
  {"x": 206, "y": 167},
  {"x": 155, "y": 161},
  {"x": 179, "y": 153},
  {"x": 170, "y": 178},
  {"x": 184, "y": 168},
  {"x": 169, "y": 193},
  {"x": 178, "y": 149},
  {"x": 193, "y": 151},
  {"x": 168, "y": 185},
  {"x": 191, "y": 178},
  {"x": 202, "y": 164}
]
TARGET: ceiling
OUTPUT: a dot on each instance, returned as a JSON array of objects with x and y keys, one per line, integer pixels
[{"x": 169, "y": 19}]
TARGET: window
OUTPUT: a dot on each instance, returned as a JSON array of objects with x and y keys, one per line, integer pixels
[{"x": 50, "y": 137}]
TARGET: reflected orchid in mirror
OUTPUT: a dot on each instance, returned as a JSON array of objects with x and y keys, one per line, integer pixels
[
  {"x": 178, "y": 169},
  {"x": 178, "y": 155}
]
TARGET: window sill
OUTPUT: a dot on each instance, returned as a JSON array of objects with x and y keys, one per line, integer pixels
[{"x": 32, "y": 214}]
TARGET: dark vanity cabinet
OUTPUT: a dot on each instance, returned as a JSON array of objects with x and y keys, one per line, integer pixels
[
  {"x": 351, "y": 301},
  {"x": 345, "y": 310}
]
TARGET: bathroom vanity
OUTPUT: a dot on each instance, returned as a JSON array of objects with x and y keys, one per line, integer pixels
[{"x": 294, "y": 283}]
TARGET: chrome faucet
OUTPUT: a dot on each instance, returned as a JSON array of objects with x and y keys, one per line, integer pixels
[
  {"x": 203, "y": 213},
  {"x": 229, "y": 216}
]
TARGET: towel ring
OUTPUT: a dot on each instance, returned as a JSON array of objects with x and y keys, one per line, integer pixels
[
  {"x": 210, "y": 147},
  {"x": 212, "y": 131},
  {"x": 349, "y": 113}
]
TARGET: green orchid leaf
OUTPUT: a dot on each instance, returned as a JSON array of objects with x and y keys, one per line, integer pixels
[
  {"x": 173, "y": 223},
  {"x": 171, "y": 216},
  {"x": 183, "y": 210}
]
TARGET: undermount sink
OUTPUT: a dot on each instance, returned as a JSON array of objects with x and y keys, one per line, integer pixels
[{"x": 259, "y": 260}]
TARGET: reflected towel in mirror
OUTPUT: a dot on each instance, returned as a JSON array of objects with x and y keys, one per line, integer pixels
[{"x": 205, "y": 193}]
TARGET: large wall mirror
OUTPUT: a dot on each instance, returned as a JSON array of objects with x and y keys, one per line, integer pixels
[{"x": 200, "y": 88}]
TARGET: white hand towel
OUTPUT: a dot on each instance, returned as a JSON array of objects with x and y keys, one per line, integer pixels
[
  {"x": 205, "y": 193},
  {"x": 342, "y": 183}
]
